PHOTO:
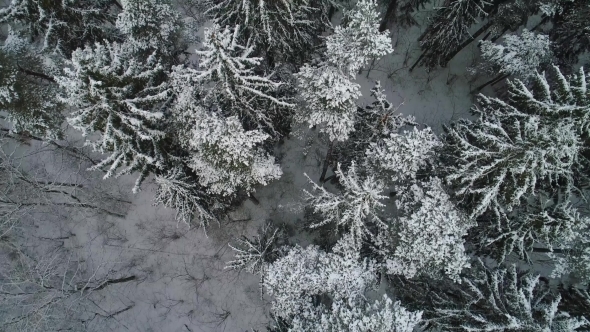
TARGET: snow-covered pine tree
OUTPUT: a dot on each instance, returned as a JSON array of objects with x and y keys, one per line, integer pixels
[
  {"x": 517, "y": 166},
  {"x": 330, "y": 100},
  {"x": 178, "y": 191},
  {"x": 227, "y": 158},
  {"x": 373, "y": 123},
  {"x": 575, "y": 300},
  {"x": 544, "y": 225},
  {"x": 255, "y": 254},
  {"x": 447, "y": 31},
  {"x": 327, "y": 88},
  {"x": 227, "y": 70},
  {"x": 287, "y": 30},
  {"x": 117, "y": 97},
  {"x": 500, "y": 157},
  {"x": 27, "y": 92},
  {"x": 428, "y": 238},
  {"x": 401, "y": 155},
  {"x": 502, "y": 299},
  {"x": 62, "y": 25},
  {"x": 318, "y": 291},
  {"x": 520, "y": 56},
  {"x": 510, "y": 16},
  {"x": 379, "y": 316},
  {"x": 569, "y": 246},
  {"x": 569, "y": 35},
  {"x": 406, "y": 9},
  {"x": 352, "y": 46},
  {"x": 151, "y": 26},
  {"x": 356, "y": 209}
]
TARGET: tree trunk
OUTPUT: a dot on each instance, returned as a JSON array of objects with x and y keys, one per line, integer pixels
[
  {"x": 113, "y": 281},
  {"x": 389, "y": 13},
  {"x": 493, "y": 40},
  {"x": 547, "y": 250},
  {"x": 117, "y": 4},
  {"x": 331, "y": 12},
  {"x": 543, "y": 21},
  {"x": 327, "y": 161},
  {"x": 492, "y": 81},
  {"x": 370, "y": 68},
  {"x": 36, "y": 74},
  {"x": 254, "y": 199},
  {"x": 71, "y": 150},
  {"x": 418, "y": 61}
]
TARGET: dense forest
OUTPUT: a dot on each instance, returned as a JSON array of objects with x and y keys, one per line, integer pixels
[{"x": 302, "y": 165}]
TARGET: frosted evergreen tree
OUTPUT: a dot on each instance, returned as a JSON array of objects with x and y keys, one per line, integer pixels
[
  {"x": 119, "y": 98},
  {"x": 429, "y": 236},
  {"x": 543, "y": 225},
  {"x": 228, "y": 71},
  {"x": 151, "y": 26},
  {"x": 228, "y": 158},
  {"x": 403, "y": 154},
  {"x": 447, "y": 31},
  {"x": 27, "y": 90},
  {"x": 516, "y": 146},
  {"x": 570, "y": 247},
  {"x": 255, "y": 254},
  {"x": 178, "y": 191},
  {"x": 285, "y": 29},
  {"x": 517, "y": 167},
  {"x": 352, "y": 46},
  {"x": 330, "y": 100},
  {"x": 569, "y": 32},
  {"x": 300, "y": 280},
  {"x": 520, "y": 56},
  {"x": 356, "y": 209},
  {"x": 576, "y": 300},
  {"x": 503, "y": 299},
  {"x": 327, "y": 89},
  {"x": 373, "y": 123},
  {"x": 62, "y": 25}
]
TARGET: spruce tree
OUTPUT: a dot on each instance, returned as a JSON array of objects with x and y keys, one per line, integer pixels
[
  {"x": 520, "y": 158},
  {"x": 285, "y": 30},
  {"x": 28, "y": 91},
  {"x": 356, "y": 210},
  {"x": 570, "y": 34},
  {"x": 118, "y": 97},
  {"x": 359, "y": 40},
  {"x": 330, "y": 100},
  {"x": 62, "y": 25},
  {"x": 227, "y": 158},
  {"x": 428, "y": 237},
  {"x": 500, "y": 299},
  {"x": 520, "y": 56},
  {"x": 447, "y": 31},
  {"x": 327, "y": 89},
  {"x": 374, "y": 122},
  {"x": 318, "y": 291},
  {"x": 229, "y": 75},
  {"x": 150, "y": 26}
]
